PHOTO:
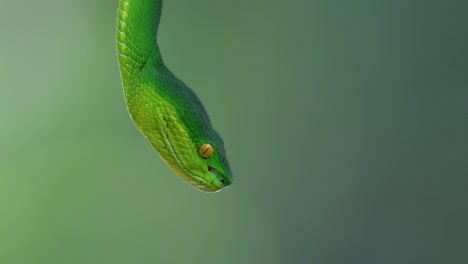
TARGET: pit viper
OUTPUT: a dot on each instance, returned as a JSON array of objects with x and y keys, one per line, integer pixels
[{"x": 165, "y": 110}]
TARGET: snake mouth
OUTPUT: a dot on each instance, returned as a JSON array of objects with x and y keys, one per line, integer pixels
[
  {"x": 211, "y": 181},
  {"x": 204, "y": 185}
]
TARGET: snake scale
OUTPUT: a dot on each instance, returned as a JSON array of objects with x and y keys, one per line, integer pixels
[{"x": 165, "y": 110}]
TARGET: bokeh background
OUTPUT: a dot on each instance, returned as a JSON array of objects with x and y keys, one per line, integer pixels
[{"x": 345, "y": 124}]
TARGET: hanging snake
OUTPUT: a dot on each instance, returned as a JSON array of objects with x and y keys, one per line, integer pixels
[{"x": 165, "y": 110}]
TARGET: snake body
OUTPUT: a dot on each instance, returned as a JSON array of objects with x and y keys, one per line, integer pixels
[{"x": 167, "y": 112}]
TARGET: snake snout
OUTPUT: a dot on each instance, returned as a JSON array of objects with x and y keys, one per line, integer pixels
[{"x": 221, "y": 180}]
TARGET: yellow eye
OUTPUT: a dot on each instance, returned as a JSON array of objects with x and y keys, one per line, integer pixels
[{"x": 206, "y": 150}]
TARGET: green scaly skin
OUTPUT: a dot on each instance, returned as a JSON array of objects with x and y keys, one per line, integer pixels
[{"x": 163, "y": 108}]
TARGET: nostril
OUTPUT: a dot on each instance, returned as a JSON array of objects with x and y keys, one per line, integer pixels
[{"x": 222, "y": 181}]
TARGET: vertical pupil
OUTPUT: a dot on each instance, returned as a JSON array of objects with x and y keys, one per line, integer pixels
[
  {"x": 207, "y": 147},
  {"x": 206, "y": 150}
]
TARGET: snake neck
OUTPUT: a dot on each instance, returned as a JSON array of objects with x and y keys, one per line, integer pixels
[{"x": 137, "y": 28}]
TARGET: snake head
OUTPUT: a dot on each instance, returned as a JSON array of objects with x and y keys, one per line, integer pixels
[
  {"x": 174, "y": 121},
  {"x": 208, "y": 170},
  {"x": 199, "y": 158}
]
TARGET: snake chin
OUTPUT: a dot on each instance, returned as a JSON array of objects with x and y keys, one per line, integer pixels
[{"x": 213, "y": 181}]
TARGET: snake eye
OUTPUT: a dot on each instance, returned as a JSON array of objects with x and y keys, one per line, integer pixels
[{"x": 205, "y": 150}]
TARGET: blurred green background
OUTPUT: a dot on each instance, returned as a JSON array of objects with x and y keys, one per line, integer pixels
[{"x": 345, "y": 124}]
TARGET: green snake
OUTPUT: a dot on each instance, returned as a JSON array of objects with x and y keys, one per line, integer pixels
[{"x": 165, "y": 110}]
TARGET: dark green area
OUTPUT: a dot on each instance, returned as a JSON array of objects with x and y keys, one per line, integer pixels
[{"x": 345, "y": 123}]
